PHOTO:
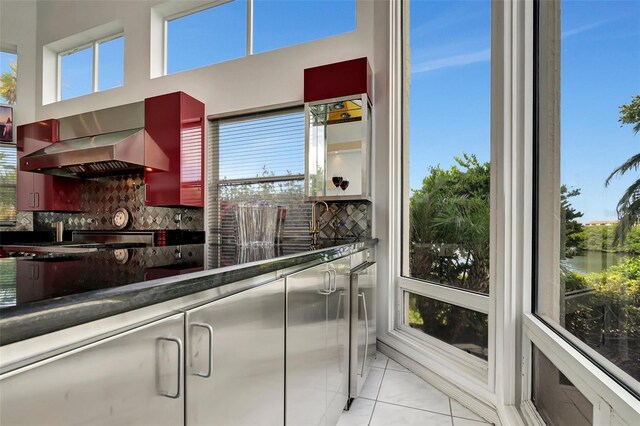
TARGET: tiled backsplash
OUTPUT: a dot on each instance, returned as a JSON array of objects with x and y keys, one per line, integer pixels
[
  {"x": 24, "y": 222},
  {"x": 101, "y": 197},
  {"x": 345, "y": 220}
]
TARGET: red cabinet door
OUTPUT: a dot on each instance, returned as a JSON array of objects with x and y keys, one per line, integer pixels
[
  {"x": 175, "y": 122},
  {"x": 39, "y": 192}
]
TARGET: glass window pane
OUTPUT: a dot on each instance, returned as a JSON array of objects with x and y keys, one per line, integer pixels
[
  {"x": 282, "y": 23},
  {"x": 555, "y": 397},
  {"x": 8, "y": 77},
  {"x": 111, "y": 64},
  {"x": 449, "y": 147},
  {"x": 213, "y": 35},
  {"x": 589, "y": 275},
  {"x": 7, "y": 183},
  {"x": 463, "y": 328},
  {"x": 76, "y": 71},
  {"x": 276, "y": 144}
]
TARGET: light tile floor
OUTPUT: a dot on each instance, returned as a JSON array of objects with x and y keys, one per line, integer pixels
[{"x": 392, "y": 395}]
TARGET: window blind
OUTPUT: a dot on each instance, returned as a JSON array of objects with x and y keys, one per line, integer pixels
[
  {"x": 257, "y": 157},
  {"x": 8, "y": 184}
]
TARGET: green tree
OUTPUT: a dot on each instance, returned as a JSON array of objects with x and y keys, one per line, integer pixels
[
  {"x": 8, "y": 83},
  {"x": 628, "y": 207},
  {"x": 572, "y": 237},
  {"x": 449, "y": 220}
]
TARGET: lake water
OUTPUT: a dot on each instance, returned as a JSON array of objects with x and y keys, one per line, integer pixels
[{"x": 594, "y": 261}]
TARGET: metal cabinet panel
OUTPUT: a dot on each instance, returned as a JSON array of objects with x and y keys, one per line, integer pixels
[
  {"x": 235, "y": 359},
  {"x": 306, "y": 375},
  {"x": 338, "y": 340},
  {"x": 132, "y": 378},
  {"x": 363, "y": 326},
  {"x": 317, "y": 344}
]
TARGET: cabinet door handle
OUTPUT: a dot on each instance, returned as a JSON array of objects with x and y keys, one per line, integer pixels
[
  {"x": 210, "y": 333},
  {"x": 366, "y": 327},
  {"x": 176, "y": 394},
  {"x": 36, "y": 199},
  {"x": 332, "y": 272},
  {"x": 325, "y": 291}
]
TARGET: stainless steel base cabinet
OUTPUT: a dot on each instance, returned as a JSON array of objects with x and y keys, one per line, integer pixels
[
  {"x": 131, "y": 378},
  {"x": 317, "y": 349},
  {"x": 235, "y": 359}
]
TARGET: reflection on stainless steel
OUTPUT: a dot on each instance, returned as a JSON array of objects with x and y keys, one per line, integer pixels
[
  {"x": 128, "y": 368},
  {"x": 317, "y": 354},
  {"x": 145, "y": 237},
  {"x": 235, "y": 357},
  {"x": 363, "y": 325},
  {"x": 108, "y": 120}
]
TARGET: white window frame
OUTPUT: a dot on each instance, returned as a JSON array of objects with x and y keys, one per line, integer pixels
[
  {"x": 612, "y": 404},
  {"x": 177, "y": 15},
  {"x": 95, "y": 45},
  {"x": 513, "y": 325},
  {"x": 450, "y": 360},
  {"x": 174, "y": 10}
]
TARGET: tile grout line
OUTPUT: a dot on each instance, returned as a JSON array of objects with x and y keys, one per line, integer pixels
[
  {"x": 418, "y": 409},
  {"x": 378, "y": 393},
  {"x": 451, "y": 412}
]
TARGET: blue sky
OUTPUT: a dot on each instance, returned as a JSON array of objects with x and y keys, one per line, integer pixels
[
  {"x": 450, "y": 92},
  {"x": 219, "y": 34}
]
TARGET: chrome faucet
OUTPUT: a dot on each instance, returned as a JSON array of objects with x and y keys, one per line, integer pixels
[{"x": 315, "y": 223}]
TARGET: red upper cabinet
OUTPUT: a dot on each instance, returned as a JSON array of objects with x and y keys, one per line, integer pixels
[
  {"x": 175, "y": 123},
  {"x": 38, "y": 192},
  {"x": 337, "y": 80}
]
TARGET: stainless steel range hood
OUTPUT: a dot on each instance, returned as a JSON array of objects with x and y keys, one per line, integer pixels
[{"x": 100, "y": 143}]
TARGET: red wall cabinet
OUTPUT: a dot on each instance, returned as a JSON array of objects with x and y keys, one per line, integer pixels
[
  {"x": 175, "y": 122},
  {"x": 339, "y": 79},
  {"x": 39, "y": 192}
]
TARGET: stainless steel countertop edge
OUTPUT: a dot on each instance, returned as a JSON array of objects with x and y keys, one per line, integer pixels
[{"x": 20, "y": 328}]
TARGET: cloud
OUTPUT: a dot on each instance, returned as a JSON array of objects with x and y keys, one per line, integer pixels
[
  {"x": 452, "y": 61},
  {"x": 584, "y": 28}
]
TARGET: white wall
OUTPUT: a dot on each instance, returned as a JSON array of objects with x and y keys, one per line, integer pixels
[
  {"x": 260, "y": 80},
  {"x": 17, "y": 31}
]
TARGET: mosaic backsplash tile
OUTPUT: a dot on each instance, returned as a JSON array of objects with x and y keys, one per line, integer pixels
[
  {"x": 24, "y": 222},
  {"x": 102, "y": 196},
  {"x": 349, "y": 220}
]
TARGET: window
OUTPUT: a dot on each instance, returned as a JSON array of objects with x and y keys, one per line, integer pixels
[
  {"x": 8, "y": 86},
  {"x": 7, "y": 184},
  {"x": 280, "y": 23},
  {"x": 8, "y": 77},
  {"x": 446, "y": 226},
  {"x": 555, "y": 397},
  {"x": 91, "y": 68},
  {"x": 274, "y": 172},
  {"x": 588, "y": 279},
  {"x": 231, "y": 29},
  {"x": 207, "y": 37}
]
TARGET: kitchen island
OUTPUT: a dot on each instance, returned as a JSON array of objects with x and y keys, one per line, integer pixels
[{"x": 160, "y": 338}]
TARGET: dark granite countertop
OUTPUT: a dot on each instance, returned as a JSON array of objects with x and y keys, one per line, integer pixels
[{"x": 46, "y": 293}]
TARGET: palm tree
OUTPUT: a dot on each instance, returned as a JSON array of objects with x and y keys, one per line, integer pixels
[
  {"x": 8, "y": 82},
  {"x": 628, "y": 207}
]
